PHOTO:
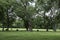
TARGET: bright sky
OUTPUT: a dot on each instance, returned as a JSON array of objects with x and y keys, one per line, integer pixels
[{"x": 32, "y": 4}]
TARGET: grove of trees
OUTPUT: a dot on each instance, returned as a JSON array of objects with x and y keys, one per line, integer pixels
[{"x": 29, "y": 14}]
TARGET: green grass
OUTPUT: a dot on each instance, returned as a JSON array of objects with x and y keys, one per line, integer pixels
[{"x": 29, "y": 35}]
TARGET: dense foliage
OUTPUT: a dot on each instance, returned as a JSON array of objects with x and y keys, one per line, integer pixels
[{"x": 30, "y": 14}]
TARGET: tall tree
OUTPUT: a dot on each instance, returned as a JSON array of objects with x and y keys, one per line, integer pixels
[{"x": 25, "y": 11}]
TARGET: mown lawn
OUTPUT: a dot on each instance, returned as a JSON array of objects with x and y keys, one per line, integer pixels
[{"x": 29, "y": 35}]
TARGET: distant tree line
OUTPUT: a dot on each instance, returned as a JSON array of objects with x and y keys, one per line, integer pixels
[{"x": 30, "y": 14}]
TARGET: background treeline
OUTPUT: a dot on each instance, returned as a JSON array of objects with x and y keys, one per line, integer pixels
[{"x": 29, "y": 14}]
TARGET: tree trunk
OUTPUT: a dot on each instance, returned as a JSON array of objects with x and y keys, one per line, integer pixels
[
  {"x": 30, "y": 25},
  {"x": 3, "y": 25},
  {"x": 7, "y": 21},
  {"x": 30, "y": 28},
  {"x": 26, "y": 25},
  {"x": 47, "y": 29},
  {"x": 54, "y": 27},
  {"x": 3, "y": 28}
]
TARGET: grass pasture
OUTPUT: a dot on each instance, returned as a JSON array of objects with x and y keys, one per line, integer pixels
[
  {"x": 22, "y": 34},
  {"x": 29, "y": 35}
]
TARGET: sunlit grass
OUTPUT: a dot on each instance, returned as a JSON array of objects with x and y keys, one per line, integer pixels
[
  {"x": 23, "y": 29},
  {"x": 24, "y": 35}
]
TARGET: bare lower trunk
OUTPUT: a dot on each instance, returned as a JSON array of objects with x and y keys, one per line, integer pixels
[
  {"x": 47, "y": 29},
  {"x": 7, "y": 24},
  {"x": 30, "y": 28},
  {"x": 26, "y": 25},
  {"x": 54, "y": 28},
  {"x": 3, "y": 28},
  {"x": 27, "y": 29}
]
